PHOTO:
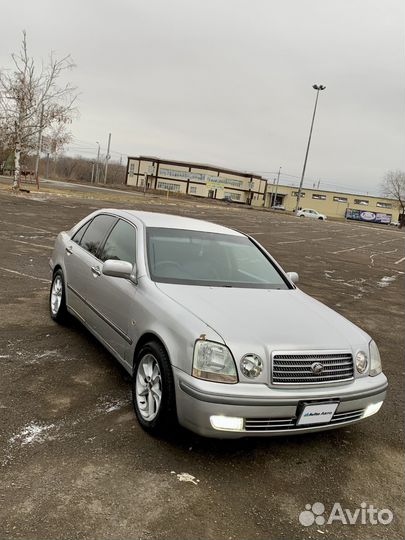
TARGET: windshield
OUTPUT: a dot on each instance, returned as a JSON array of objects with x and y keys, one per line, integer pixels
[{"x": 211, "y": 259}]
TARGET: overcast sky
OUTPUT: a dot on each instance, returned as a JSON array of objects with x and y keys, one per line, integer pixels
[{"x": 229, "y": 82}]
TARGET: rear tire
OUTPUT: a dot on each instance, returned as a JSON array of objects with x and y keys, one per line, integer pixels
[
  {"x": 153, "y": 394},
  {"x": 57, "y": 298}
]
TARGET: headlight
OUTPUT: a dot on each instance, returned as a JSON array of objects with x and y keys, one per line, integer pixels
[
  {"x": 251, "y": 365},
  {"x": 375, "y": 359},
  {"x": 361, "y": 362},
  {"x": 213, "y": 362}
]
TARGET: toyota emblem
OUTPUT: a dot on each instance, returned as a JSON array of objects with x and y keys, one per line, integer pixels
[{"x": 317, "y": 368}]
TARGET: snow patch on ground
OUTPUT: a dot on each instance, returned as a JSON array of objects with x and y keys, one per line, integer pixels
[
  {"x": 32, "y": 433},
  {"x": 329, "y": 275},
  {"x": 37, "y": 357},
  {"x": 186, "y": 477},
  {"x": 108, "y": 405},
  {"x": 45, "y": 354},
  {"x": 386, "y": 280}
]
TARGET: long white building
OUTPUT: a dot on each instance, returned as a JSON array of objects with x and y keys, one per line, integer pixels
[{"x": 196, "y": 179}]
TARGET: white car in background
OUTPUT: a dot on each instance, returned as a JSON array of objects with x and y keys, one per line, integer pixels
[{"x": 308, "y": 212}]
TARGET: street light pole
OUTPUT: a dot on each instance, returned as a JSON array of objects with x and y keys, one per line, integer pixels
[{"x": 316, "y": 87}]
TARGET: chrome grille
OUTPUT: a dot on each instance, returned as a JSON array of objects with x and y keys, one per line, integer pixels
[
  {"x": 291, "y": 368},
  {"x": 285, "y": 424}
]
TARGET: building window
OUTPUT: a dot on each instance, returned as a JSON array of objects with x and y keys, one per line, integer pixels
[
  {"x": 295, "y": 194},
  {"x": 384, "y": 204},
  {"x": 364, "y": 202},
  {"x": 168, "y": 186},
  {"x": 340, "y": 199},
  {"x": 131, "y": 168},
  {"x": 319, "y": 197},
  {"x": 192, "y": 189},
  {"x": 233, "y": 196}
]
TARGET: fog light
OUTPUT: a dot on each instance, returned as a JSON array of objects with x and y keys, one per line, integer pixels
[
  {"x": 372, "y": 409},
  {"x": 227, "y": 423},
  {"x": 251, "y": 365}
]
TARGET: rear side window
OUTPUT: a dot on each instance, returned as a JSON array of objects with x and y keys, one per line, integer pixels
[
  {"x": 120, "y": 244},
  {"x": 79, "y": 234},
  {"x": 95, "y": 233}
]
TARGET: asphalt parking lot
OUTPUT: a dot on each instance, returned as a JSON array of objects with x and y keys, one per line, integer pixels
[{"x": 74, "y": 462}]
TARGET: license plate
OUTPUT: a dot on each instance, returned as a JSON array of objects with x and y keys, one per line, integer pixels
[{"x": 317, "y": 413}]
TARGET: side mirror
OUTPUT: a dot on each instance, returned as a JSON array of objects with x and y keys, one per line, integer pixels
[
  {"x": 119, "y": 269},
  {"x": 293, "y": 276}
]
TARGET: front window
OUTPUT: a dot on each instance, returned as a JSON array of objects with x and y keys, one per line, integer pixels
[
  {"x": 120, "y": 244},
  {"x": 95, "y": 233},
  {"x": 210, "y": 259}
]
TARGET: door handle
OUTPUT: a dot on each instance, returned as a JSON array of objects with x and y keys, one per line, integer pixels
[
  {"x": 96, "y": 270},
  {"x": 69, "y": 250}
]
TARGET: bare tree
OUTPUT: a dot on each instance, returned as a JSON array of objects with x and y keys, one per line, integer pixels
[
  {"x": 32, "y": 102},
  {"x": 56, "y": 138},
  {"x": 393, "y": 185}
]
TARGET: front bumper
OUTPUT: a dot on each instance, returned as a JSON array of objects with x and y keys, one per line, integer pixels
[{"x": 269, "y": 411}]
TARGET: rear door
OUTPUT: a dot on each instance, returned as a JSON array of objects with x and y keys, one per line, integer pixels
[{"x": 83, "y": 266}]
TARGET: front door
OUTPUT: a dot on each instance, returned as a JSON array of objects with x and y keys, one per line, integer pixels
[{"x": 114, "y": 298}]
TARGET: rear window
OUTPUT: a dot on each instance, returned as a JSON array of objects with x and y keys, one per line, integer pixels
[{"x": 77, "y": 237}]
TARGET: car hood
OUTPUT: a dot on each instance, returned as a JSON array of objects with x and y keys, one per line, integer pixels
[{"x": 281, "y": 319}]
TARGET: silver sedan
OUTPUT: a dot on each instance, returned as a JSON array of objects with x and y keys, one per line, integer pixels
[{"x": 216, "y": 335}]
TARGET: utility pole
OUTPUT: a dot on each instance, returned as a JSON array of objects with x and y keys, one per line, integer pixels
[
  {"x": 92, "y": 173},
  {"x": 97, "y": 161},
  {"x": 47, "y": 166},
  {"x": 39, "y": 144},
  {"x": 272, "y": 184},
  {"x": 278, "y": 180},
  {"x": 107, "y": 157},
  {"x": 316, "y": 87}
]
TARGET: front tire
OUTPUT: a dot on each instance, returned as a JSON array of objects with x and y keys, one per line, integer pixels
[
  {"x": 153, "y": 394},
  {"x": 57, "y": 298}
]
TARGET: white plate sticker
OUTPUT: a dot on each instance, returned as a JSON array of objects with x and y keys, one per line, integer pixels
[{"x": 318, "y": 413}]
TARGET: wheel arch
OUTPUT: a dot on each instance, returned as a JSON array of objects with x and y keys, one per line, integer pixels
[
  {"x": 145, "y": 338},
  {"x": 56, "y": 268}
]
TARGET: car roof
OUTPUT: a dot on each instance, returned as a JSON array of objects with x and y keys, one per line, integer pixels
[{"x": 170, "y": 221}]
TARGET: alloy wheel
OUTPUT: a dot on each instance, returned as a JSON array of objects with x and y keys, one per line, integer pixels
[
  {"x": 56, "y": 295},
  {"x": 148, "y": 387}
]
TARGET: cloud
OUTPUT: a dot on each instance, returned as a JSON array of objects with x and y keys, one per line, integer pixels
[{"x": 230, "y": 82}]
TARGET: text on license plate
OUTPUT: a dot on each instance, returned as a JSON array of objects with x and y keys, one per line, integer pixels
[{"x": 317, "y": 413}]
